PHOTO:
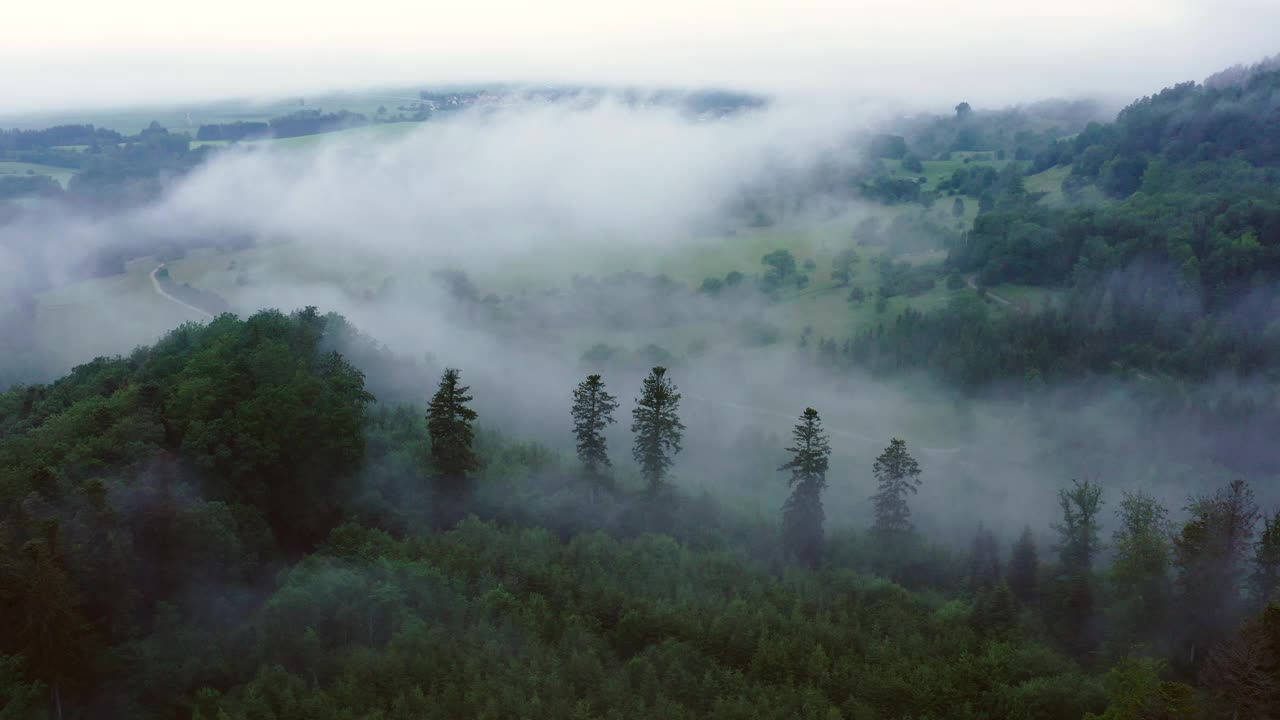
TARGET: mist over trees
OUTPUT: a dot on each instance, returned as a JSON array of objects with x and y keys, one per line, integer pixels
[
  {"x": 592, "y": 412},
  {"x": 657, "y": 428},
  {"x": 802, "y": 514},
  {"x": 227, "y": 523}
]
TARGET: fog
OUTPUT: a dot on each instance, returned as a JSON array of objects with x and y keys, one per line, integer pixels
[
  {"x": 81, "y": 54},
  {"x": 528, "y": 199}
]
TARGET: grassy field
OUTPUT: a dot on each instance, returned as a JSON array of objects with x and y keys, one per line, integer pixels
[
  {"x": 104, "y": 315},
  {"x": 935, "y": 171},
  {"x": 1050, "y": 182},
  {"x": 822, "y": 305},
  {"x": 62, "y": 175},
  {"x": 1028, "y": 298},
  {"x": 101, "y": 316}
]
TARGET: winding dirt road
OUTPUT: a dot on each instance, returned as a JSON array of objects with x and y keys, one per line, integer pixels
[
  {"x": 155, "y": 283},
  {"x": 973, "y": 283}
]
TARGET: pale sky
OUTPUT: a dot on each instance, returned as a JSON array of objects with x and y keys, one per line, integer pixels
[{"x": 69, "y": 53}]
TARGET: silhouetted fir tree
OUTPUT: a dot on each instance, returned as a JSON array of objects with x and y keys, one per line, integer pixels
[
  {"x": 984, "y": 560},
  {"x": 898, "y": 475},
  {"x": 802, "y": 514},
  {"x": 452, "y": 457},
  {"x": 592, "y": 412},
  {"x": 1265, "y": 580},
  {"x": 1024, "y": 568},
  {"x": 657, "y": 428}
]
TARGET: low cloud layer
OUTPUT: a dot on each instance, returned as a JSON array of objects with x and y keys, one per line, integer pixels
[{"x": 524, "y": 199}]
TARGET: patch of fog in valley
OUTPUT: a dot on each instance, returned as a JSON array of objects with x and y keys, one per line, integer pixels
[{"x": 523, "y": 201}]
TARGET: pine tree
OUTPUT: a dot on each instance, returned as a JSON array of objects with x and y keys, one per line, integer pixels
[
  {"x": 452, "y": 458},
  {"x": 1265, "y": 581},
  {"x": 802, "y": 514},
  {"x": 592, "y": 412},
  {"x": 897, "y": 474},
  {"x": 1024, "y": 568},
  {"x": 657, "y": 428}
]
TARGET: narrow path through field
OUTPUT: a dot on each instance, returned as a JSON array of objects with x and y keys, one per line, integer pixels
[
  {"x": 155, "y": 282},
  {"x": 973, "y": 283}
]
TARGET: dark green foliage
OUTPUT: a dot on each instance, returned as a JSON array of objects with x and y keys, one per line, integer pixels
[
  {"x": 657, "y": 428},
  {"x": 19, "y": 698},
  {"x": 889, "y": 147},
  {"x": 781, "y": 272},
  {"x": 312, "y": 122},
  {"x": 1136, "y": 692},
  {"x": 233, "y": 131},
  {"x": 842, "y": 266},
  {"x": 483, "y": 621},
  {"x": 1139, "y": 573},
  {"x": 592, "y": 412},
  {"x": 134, "y": 480},
  {"x": 995, "y": 611},
  {"x": 802, "y": 514},
  {"x": 452, "y": 457},
  {"x": 897, "y": 475}
]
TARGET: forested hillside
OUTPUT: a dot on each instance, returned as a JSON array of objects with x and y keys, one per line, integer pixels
[
  {"x": 1176, "y": 272},
  {"x": 275, "y": 517},
  {"x": 226, "y": 525}
]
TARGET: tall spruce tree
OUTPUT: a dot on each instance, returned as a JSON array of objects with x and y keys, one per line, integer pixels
[
  {"x": 592, "y": 412},
  {"x": 452, "y": 457},
  {"x": 802, "y": 514},
  {"x": 657, "y": 428},
  {"x": 898, "y": 475},
  {"x": 1024, "y": 568}
]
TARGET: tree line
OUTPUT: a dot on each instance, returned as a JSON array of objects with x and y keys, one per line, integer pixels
[
  {"x": 227, "y": 524},
  {"x": 658, "y": 432}
]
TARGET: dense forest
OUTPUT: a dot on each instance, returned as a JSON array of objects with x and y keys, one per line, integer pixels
[
  {"x": 229, "y": 524},
  {"x": 1176, "y": 274}
]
